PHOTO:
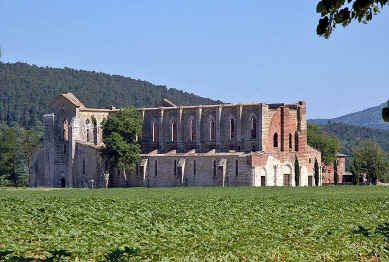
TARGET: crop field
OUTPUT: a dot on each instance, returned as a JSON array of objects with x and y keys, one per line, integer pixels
[{"x": 195, "y": 224}]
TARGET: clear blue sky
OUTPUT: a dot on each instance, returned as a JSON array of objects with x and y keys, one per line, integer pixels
[{"x": 236, "y": 51}]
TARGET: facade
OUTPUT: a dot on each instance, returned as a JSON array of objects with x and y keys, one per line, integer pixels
[{"x": 207, "y": 145}]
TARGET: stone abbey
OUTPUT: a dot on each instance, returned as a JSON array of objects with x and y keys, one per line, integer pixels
[{"x": 206, "y": 145}]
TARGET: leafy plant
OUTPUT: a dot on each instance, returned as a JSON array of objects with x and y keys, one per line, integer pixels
[
  {"x": 342, "y": 12},
  {"x": 195, "y": 224},
  {"x": 336, "y": 176},
  {"x": 297, "y": 171},
  {"x": 327, "y": 144},
  {"x": 385, "y": 113},
  {"x": 121, "y": 132},
  {"x": 316, "y": 172}
]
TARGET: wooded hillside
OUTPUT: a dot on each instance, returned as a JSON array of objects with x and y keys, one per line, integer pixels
[
  {"x": 350, "y": 135},
  {"x": 26, "y": 90}
]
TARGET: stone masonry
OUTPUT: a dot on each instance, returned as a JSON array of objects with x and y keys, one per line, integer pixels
[{"x": 205, "y": 145}]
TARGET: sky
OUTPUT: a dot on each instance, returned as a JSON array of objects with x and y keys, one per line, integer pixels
[{"x": 234, "y": 51}]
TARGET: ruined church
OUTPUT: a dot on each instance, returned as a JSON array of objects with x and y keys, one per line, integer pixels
[{"x": 205, "y": 145}]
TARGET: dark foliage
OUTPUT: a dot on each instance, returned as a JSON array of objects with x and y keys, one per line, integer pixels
[
  {"x": 385, "y": 113},
  {"x": 336, "y": 176},
  {"x": 335, "y": 12},
  {"x": 350, "y": 136},
  {"x": 26, "y": 90},
  {"x": 316, "y": 172},
  {"x": 121, "y": 132},
  {"x": 297, "y": 171},
  {"x": 327, "y": 144}
]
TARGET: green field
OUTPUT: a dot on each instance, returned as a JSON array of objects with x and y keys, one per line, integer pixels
[{"x": 196, "y": 224}]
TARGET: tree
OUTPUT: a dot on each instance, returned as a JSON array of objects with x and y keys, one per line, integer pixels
[
  {"x": 29, "y": 141},
  {"x": 336, "y": 177},
  {"x": 120, "y": 136},
  {"x": 328, "y": 145},
  {"x": 385, "y": 113},
  {"x": 343, "y": 12},
  {"x": 356, "y": 171},
  {"x": 10, "y": 158},
  {"x": 370, "y": 159},
  {"x": 297, "y": 171},
  {"x": 316, "y": 172}
]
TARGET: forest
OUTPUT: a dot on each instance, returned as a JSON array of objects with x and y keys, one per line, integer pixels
[
  {"x": 26, "y": 90},
  {"x": 349, "y": 135}
]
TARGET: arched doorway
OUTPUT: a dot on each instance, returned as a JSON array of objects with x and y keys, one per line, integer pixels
[{"x": 287, "y": 176}]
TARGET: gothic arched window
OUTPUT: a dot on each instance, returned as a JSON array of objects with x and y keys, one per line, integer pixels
[
  {"x": 212, "y": 131},
  {"x": 253, "y": 127},
  {"x": 290, "y": 141},
  {"x": 173, "y": 131},
  {"x": 232, "y": 128},
  {"x": 296, "y": 142},
  {"x": 275, "y": 140},
  {"x": 155, "y": 131},
  {"x": 192, "y": 130}
]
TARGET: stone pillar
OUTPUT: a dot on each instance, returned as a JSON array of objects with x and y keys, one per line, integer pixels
[
  {"x": 266, "y": 118},
  {"x": 259, "y": 127},
  {"x": 219, "y": 142},
  {"x": 74, "y": 136},
  {"x": 49, "y": 150},
  {"x": 198, "y": 129},
  {"x": 160, "y": 132},
  {"x": 239, "y": 137},
  {"x": 285, "y": 129},
  {"x": 180, "y": 128}
]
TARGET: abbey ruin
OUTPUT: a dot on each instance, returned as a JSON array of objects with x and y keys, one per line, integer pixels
[{"x": 206, "y": 145}]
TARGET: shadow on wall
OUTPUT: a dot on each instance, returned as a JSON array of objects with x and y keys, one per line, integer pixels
[{"x": 116, "y": 255}]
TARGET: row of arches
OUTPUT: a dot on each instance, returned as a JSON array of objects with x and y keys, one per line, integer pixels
[
  {"x": 191, "y": 127},
  {"x": 296, "y": 141}
]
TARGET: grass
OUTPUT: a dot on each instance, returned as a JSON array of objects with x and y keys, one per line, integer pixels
[{"x": 195, "y": 224}]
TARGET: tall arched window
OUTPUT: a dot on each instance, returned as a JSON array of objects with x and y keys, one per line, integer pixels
[
  {"x": 65, "y": 130},
  {"x": 87, "y": 123},
  {"x": 192, "y": 130},
  {"x": 296, "y": 142},
  {"x": 173, "y": 130},
  {"x": 290, "y": 141},
  {"x": 253, "y": 127},
  {"x": 232, "y": 128},
  {"x": 275, "y": 140},
  {"x": 212, "y": 131},
  {"x": 155, "y": 131}
]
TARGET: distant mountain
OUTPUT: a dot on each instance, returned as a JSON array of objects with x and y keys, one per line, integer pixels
[
  {"x": 371, "y": 118},
  {"x": 350, "y": 135},
  {"x": 26, "y": 90}
]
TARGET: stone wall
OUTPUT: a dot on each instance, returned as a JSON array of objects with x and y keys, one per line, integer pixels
[
  {"x": 230, "y": 144},
  {"x": 198, "y": 170},
  {"x": 328, "y": 174}
]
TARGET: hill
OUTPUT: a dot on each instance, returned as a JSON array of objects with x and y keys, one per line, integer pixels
[
  {"x": 350, "y": 135},
  {"x": 26, "y": 90},
  {"x": 371, "y": 117}
]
